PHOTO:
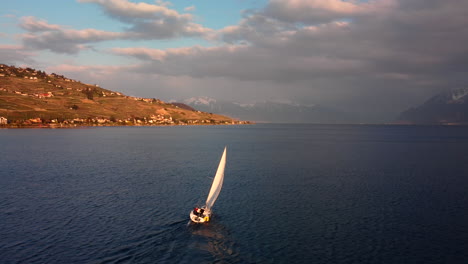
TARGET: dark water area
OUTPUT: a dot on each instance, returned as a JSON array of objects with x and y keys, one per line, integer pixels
[{"x": 292, "y": 194}]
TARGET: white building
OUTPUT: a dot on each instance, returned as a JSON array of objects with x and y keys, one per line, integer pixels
[{"x": 3, "y": 120}]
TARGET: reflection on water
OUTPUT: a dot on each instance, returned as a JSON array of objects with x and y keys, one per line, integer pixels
[{"x": 213, "y": 237}]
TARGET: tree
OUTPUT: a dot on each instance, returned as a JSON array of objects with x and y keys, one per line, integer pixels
[{"x": 89, "y": 93}]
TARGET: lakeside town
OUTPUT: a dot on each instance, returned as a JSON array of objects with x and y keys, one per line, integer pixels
[{"x": 151, "y": 121}]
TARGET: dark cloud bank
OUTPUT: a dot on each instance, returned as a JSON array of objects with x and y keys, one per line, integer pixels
[{"x": 373, "y": 60}]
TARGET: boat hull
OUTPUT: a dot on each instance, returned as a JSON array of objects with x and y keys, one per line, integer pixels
[{"x": 205, "y": 217}]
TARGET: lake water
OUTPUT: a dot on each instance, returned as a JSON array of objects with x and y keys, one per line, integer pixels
[{"x": 292, "y": 194}]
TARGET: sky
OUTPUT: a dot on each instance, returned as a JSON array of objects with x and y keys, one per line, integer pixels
[{"x": 372, "y": 58}]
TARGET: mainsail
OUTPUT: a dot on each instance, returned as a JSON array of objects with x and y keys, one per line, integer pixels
[{"x": 217, "y": 182}]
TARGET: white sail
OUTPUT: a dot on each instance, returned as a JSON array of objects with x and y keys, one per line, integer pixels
[{"x": 217, "y": 182}]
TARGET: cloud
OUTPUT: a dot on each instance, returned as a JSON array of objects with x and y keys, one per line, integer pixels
[
  {"x": 129, "y": 11},
  {"x": 56, "y": 38},
  {"x": 67, "y": 41},
  {"x": 94, "y": 70},
  {"x": 383, "y": 54},
  {"x": 14, "y": 54},
  {"x": 237, "y": 62},
  {"x": 144, "y": 22},
  {"x": 152, "y": 21},
  {"x": 32, "y": 24},
  {"x": 399, "y": 40},
  {"x": 258, "y": 29},
  {"x": 190, "y": 8},
  {"x": 320, "y": 11}
]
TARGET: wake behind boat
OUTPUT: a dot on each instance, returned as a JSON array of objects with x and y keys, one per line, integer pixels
[{"x": 203, "y": 214}]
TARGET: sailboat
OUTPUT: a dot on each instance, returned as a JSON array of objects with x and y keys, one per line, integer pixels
[{"x": 203, "y": 214}]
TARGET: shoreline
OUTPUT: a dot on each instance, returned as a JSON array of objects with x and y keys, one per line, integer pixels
[
  {"x": 71, "y": 126},
  {"x": 76, "y": 126}
]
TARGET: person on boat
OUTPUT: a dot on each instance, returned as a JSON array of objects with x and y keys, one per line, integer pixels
[{"x": 198, "y": 211}]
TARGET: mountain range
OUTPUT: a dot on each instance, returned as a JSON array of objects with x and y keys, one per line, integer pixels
[
  {"x": 450, "y": 107},
  {"x": 268, "y": 111}
]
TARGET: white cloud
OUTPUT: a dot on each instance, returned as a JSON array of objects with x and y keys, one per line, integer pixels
[
  {"x": 190, "y": 8},
  {"x": 33, "y": 24},
  {"x": 124, "y": 9},
  {"x": 145, "y": 22},
  {"x": 152, "y": 21},
  {"x": 67, "y": 40}
]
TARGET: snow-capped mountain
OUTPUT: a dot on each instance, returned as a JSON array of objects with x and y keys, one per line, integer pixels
[
  {"x": 446, "y": 107},
  {"x": 202, "y": 100},
  {"x": 274, "y": 112},
  {"x": 459, "y": 94}
]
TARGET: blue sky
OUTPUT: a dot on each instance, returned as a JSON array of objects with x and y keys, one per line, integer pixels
[
  {"x": 212, "y": 13},
  {"x": 370, "y": 58}
]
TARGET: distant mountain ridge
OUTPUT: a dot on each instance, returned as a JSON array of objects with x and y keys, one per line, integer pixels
[
  {"x": 274, "y": 112},
  {"x": 445, "y": 107}
]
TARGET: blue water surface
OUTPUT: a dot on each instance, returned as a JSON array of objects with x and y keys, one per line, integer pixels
[{"x": 292, "y": 194}]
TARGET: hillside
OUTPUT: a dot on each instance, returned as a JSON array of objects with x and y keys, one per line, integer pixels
[
  {"x": 28, "y": 96},
  {"x": 445, "y": 108}
]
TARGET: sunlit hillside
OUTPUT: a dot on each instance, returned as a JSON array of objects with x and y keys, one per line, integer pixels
[{"x": 29, "y": 94}]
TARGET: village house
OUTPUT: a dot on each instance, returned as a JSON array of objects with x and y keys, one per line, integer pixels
[
  {"x": 35, "y": 120},
  {"x": 101, "y": 120},
  {"x": 44, "y": 95},
  {"x": 3, "y": 120},
  {"x": 78, "y": 120}
]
